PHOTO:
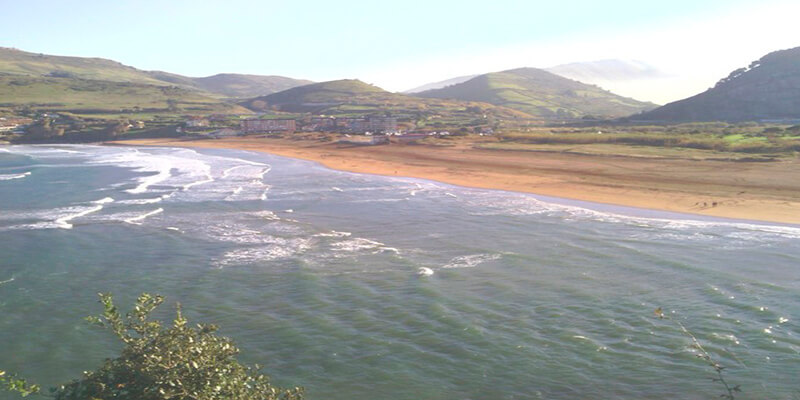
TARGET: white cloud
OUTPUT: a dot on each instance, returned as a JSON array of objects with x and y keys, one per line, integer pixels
[{"x": 697, "y": 51}]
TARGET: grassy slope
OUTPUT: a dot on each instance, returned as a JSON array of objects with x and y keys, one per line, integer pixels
[
  {"x": 16, "y": 62},
  {"x": 79, "y": 95},
  {"x": 542, "y": 94},
  {"x": 768, "y": 89}
]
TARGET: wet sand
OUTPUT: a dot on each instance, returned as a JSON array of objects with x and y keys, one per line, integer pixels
[{"x": 761, "y": 191}]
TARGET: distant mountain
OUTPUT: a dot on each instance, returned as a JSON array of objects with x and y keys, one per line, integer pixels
[
  {"x": 440, "y": 84},
  {"x": 17, "y": 62},
  {"x": 246, "y": 86},
  {"x": 321, "y": 95},
  {"x": 602, "y": 71},
  {"x": 352, "y": 97},
  {"x": 541, "y": 94},
  {"x": 768, "y": 89}
]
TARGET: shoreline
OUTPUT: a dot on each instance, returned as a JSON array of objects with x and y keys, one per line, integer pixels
[{"x": 746, "y": 192}]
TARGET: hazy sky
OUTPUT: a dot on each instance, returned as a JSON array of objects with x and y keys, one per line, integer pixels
[{"x": 399, "y": 45}]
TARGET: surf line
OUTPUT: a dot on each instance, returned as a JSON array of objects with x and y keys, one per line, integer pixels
[
  {"x": 63, "y": 222},
  {"x": 136, "y": 220}
]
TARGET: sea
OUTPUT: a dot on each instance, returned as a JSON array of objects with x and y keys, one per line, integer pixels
[{"x": 360, "y": 286}]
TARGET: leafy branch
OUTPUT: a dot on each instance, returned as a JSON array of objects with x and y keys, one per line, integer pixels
[
  {"x": 718, "y": 368},
  {"x": 13, "y": 384},
  {"x": 179, "y": 362}
]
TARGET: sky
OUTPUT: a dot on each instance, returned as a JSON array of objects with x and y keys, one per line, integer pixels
[{"x": 401, "y": 45}]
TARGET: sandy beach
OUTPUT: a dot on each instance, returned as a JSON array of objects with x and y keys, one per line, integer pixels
[{"x": 761, "y": 191}]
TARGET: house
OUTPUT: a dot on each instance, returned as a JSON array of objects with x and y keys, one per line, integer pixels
[
  {"x": 9, "y": 124},
  {"x": 196, "y": 122},
  {"x": 352, "y": 124},
  {"x": 321, "y": 124},
  {"x": 382, "y": 124},
  {"x": 411, "y": 137},
  {"x": 256, "y": 125}
]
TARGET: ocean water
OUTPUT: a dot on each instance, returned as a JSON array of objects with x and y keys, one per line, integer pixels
[{"x": 360, "y": 286}]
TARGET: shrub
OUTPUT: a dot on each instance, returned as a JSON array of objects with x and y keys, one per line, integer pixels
[{"x": 180, "y": 362}]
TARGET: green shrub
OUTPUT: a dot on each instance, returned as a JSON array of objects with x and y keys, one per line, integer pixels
[{"x": 179, "y": 362}]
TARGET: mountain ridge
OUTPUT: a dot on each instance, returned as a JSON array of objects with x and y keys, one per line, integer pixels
[
  {"x": 768, "y": 89},
  {"x": 19, "y": 62},
  {"x": 541, "y": 94}
]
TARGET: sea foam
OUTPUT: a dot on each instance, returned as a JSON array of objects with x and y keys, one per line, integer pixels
[{"x": 14, "y": 176}]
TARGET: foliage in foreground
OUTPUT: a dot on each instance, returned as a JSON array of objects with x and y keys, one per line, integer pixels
[
  {"x": 159, "y": 363},
  {"x": 13, "y": 384},
  {"x": 730, "y": 390}
]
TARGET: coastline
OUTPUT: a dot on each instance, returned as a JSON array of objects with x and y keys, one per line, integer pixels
[{"x": 749, "y": 191}]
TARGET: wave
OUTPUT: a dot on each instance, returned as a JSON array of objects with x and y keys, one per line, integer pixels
[
  {"x": 489, "y": 203},
  {"x": 470, "y": 261},
  {"x": 278, "y": 249},
  {"x": 334, "y": 234},
  {"x": 356, "y": 244},
  {"x": 64, "y": 222},
  {"x": 143, "y": 201},
  {"x": 208, "y": 179},
  {"x": 14, "y": 176},
  {"x": 170, "y": 169},
  {"x": 137, "y": 220}
]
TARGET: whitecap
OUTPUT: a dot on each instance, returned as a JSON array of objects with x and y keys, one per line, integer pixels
[
  {"x": 336, "y": 189},
  {"x": 104, "y": 200},
  {"x": 334, "y": 234},
  {"x": 208, "y": 179},
  {"x": 356, "y": 244},
  {"x": 14, "y": 176},
  {"x": 145, "y": 182},
  {"x": 424, "y": 271},
  {"x": 470, "y": 261},
  {"x": 280, "y": 249},
  {"x": 63, "y": 222},
  {"x": 143, "y": 201},
  {"x": 237, "y": 191},
  {"x": 264, "y": 193},
  {"x": 137, "y": 220}
]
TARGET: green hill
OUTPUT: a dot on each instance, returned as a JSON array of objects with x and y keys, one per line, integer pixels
[
  {"x": 541, "y": 94},
  {"x": 317, "y": 97},
  {"x": 353, "y": 98},
  {"x": 85, "y": 96},
  {"x": 16, "y": 62},
  {"x": 768, "y": 89}
]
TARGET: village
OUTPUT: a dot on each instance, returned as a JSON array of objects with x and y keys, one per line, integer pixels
[
  {"x": 371, "y": 130},
  {"x": 57, "y": 127}
]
